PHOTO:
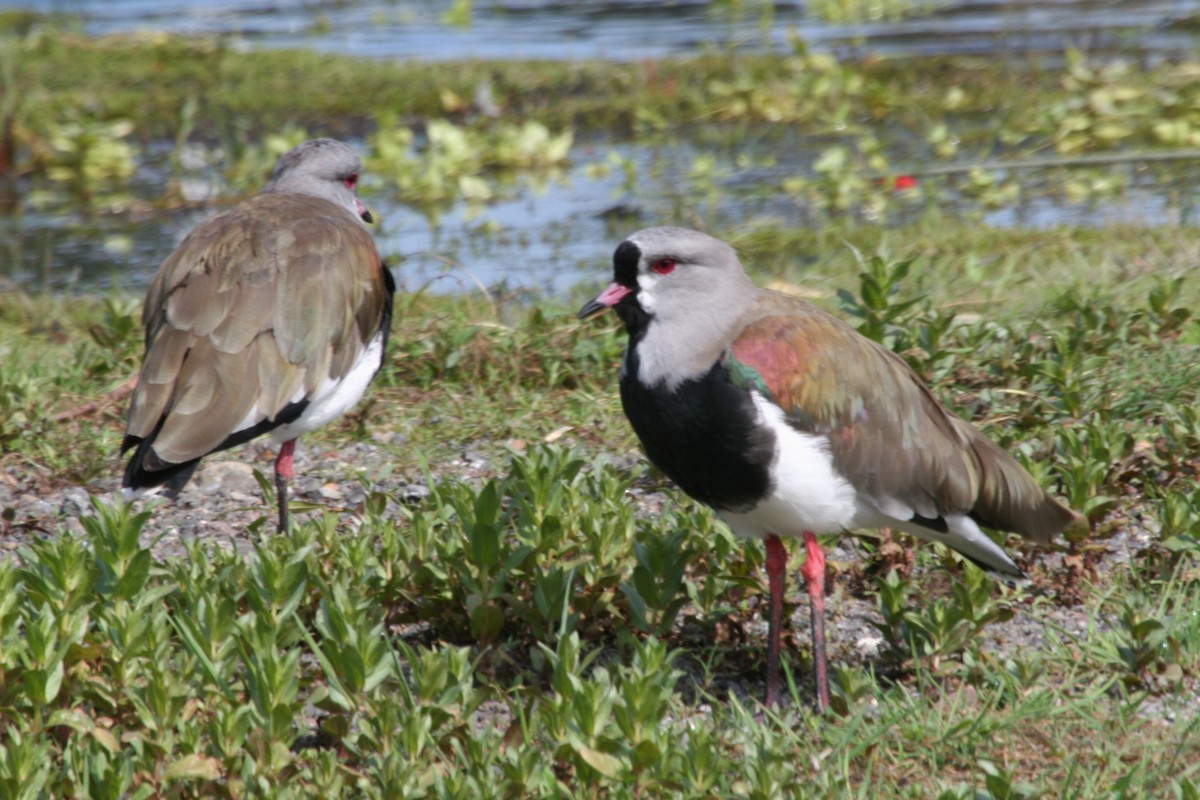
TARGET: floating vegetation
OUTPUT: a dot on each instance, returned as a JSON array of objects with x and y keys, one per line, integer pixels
[
  {"x": 865, "y": 140},
  {"x": 463, "y": 163}
]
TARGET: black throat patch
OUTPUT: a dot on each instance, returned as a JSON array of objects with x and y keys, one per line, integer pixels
[{"x": 704, "y": 435}]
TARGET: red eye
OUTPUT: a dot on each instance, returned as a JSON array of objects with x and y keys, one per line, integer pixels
[
  {"x": 664, "y": 266},
  {"x": 351, "y": 180}
]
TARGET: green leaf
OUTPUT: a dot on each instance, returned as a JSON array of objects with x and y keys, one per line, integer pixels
[
  {"x": 607, "y": 765},
  {"x": 54, "y": 678},
  {"x": 71, "y": 718},
  {"x": 184, "y": 626},
  {"x": 136, "y": 573},
  {"x": 646, "y": 754},
  {"x": 1143, "y": 629},
  {"x": 1181, "y": 544},
  {"x": 106, "y": 739},
  {"x": 487, "y": 620},
  {"x": 194, "y": 767},
  {"x": 337, "y": 690}
]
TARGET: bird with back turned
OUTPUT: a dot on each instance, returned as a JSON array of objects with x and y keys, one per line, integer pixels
[{"x": 268, "y": 319}]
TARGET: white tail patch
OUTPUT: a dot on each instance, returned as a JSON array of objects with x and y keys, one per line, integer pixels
[
  {"x": 130, "y": 493},
  {"x": 962, "y": 534}
]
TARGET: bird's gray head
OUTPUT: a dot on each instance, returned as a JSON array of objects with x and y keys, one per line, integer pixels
[
  {"x": 323, "y": 168},
  {"x": 679, "y": 292}
]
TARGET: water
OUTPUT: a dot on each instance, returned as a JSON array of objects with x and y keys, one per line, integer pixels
[
  {"x": 636, "y": 29},
  {"x": 548, "y": 239},
  {"x": 544, "y": 239}
]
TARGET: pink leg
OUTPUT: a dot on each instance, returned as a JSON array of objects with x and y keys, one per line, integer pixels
[
  {"x": 285, "y": 470},
  {"x": 776, "y": 565},
  {"x": 814, "y": 575}
]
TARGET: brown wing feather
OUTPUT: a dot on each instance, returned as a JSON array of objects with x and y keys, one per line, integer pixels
[
  {"x": 279, "y": 293},
  {"x": 888, "y": 434}
]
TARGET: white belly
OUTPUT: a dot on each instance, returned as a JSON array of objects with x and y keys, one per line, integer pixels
[
  {"x": 808, "y": 494},
  {"x": 335, "y": 397}
]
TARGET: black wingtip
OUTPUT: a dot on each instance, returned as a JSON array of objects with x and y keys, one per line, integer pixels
[
  {"x": 171, "y": 477},
  {"x": 1008, "y": 576}
]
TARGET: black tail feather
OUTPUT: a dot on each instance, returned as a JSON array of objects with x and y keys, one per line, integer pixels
[
  {"x": 172, "y": 476},
  {"x": 175, "y": 476}
]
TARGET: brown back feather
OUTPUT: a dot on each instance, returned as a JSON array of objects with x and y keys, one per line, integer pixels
[
  {"x": 281, "y": 292},
  {"x": 888, "y": 434}
]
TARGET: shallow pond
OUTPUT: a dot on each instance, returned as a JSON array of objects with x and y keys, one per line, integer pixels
[
  {"x": 634, "y": 29},
  {"x": 550, "y": 237}
]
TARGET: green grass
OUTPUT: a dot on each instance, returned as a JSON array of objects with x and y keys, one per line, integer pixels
[
  {"x": 530, "y": 633},
  {"x": 974, "y": 268}
]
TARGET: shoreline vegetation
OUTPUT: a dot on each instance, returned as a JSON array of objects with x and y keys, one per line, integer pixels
[
  {"x": 487, "y": 592},
  {"x": 80, "y": 113}
]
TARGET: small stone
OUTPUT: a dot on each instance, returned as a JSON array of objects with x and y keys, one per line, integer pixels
[
  {"x": 868, "y": 646},
  {"x": 39, "y": 509},
  {"x": 475, "y": 460},
  {"x": 225, "y": 477},
  {"x": 413, "y": 493},
  {"x": 75, "y": 502}
]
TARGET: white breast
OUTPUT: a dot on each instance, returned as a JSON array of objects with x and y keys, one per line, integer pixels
[{"x": 807, "y": 492}]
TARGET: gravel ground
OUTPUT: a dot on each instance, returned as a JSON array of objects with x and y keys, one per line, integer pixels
[{"x": 223, "y": 498}]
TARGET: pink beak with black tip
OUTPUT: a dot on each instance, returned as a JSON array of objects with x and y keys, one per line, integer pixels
[{"x": 606, "y": 299}]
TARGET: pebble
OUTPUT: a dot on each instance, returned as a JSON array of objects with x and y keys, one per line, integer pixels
[
  {"x": 75, "y": 502},
  {"x": 225, "y": 477},
  {"x": 868, "y": 646},
  {"x": 413, "y": 493}
]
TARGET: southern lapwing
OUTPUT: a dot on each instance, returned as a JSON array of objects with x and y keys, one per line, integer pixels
[
  {"x": 270, "y": 318},
  {"x": 788, "y": 422}
]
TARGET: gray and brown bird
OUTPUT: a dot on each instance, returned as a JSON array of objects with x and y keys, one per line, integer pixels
[
  {"x": 270, "y": 318},
  {"x": 788, "y": 422}
]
